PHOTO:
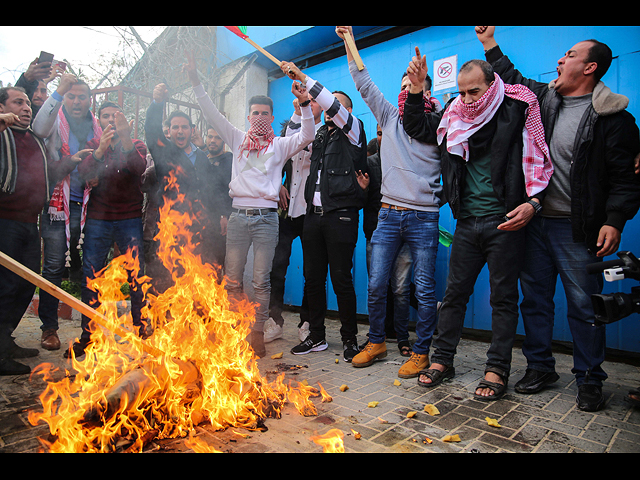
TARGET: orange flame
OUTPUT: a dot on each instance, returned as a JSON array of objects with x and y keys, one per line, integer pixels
[
  {"x": 207, "y": 372},
  {"x": 331, "y": 442}
]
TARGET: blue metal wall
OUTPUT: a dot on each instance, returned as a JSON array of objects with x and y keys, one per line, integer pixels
[{"x": 535, "y": 51}]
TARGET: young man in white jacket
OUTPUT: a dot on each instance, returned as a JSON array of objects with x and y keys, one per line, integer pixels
[{"x": 256, "y": 179}]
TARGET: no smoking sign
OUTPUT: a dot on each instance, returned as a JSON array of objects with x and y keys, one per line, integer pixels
[{"x": 445, "y": 73}]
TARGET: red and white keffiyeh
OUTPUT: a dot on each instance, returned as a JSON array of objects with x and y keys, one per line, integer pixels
[
  {"x": 461, "y": 121},
  {"x": 259, "y": 136},
  {"x": 59, "y": 203},
  {"x": 430, "y": 104}
]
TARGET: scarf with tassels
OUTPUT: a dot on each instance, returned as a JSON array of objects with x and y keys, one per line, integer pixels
[
  {"x": 59, "y": 204},
  {"x": 461, "y": 121}
]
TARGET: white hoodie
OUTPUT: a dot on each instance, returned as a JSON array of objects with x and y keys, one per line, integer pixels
[{"x": 256, "y": 180}]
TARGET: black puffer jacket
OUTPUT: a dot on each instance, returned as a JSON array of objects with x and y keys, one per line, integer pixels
[{"x": 604, "y": 188}]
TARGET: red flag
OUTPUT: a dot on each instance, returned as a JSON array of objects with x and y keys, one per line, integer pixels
[{"x": 240, "y": 31}]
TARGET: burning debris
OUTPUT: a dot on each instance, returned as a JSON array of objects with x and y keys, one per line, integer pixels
[{"x": 196, "y": 369}]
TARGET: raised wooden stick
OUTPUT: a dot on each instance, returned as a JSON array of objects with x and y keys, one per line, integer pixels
[
  {"x": 267, "y": 54},
  {"x": 23, "y": 272},
  {"x": 354, "y": 50}
]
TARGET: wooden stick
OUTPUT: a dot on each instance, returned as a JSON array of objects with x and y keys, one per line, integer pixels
[
  {"x": 271, "y": 57},
  {"x": 70, "y": 300},
  {"x": 354, "y": 50}
]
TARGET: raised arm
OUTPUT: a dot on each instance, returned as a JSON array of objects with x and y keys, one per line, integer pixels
[
  {"x": 230, "y": 134},
  {"x": 340, "y": 114},
  {"x": 418, "y": 125}
]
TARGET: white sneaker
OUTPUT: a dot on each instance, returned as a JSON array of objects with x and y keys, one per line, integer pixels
[
  {"x": 272, "y": 331},
  {"x": 303, "y": 331}
]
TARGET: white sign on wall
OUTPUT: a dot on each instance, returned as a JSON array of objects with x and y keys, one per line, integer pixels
[{"x": 445, "y": 73}]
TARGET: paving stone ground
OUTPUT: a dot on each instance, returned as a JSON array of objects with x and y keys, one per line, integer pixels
[{"x": 545, "y": 423}]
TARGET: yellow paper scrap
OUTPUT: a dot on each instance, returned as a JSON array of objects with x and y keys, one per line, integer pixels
[
  {"x": 452, "y": 439},
  {"x": 373, "y": 404},
  {"x": 431, "y": 410},
  {"x": 411, "y": 414},
  {"x": 277, "y": 356},
  {"x": 344, "y": 388},
  {"x": 397, "y": 383},
  {"x": 493, "y": 423}
]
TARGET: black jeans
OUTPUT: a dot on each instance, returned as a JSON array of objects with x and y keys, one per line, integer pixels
[
  {"x": 290, "y": 229},
  {"x": 20, "y": 241},
  {"x": 329, "y": 243},
  {"x": 477, "y": 242}
]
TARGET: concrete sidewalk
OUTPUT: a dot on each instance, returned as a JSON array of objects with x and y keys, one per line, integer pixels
[{"x": 544, "y": 423}]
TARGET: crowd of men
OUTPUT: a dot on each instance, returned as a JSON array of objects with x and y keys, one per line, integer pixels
[{"x": 540, "y": 178}]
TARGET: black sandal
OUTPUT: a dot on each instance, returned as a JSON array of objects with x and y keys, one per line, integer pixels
[
  {"x": 405, "y": 348},
  {"x": 436, "y": 376},
  {"x": 498, "y": 389}
]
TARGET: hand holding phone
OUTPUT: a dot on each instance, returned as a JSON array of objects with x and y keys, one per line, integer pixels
[{"x": 45, "y": 57}]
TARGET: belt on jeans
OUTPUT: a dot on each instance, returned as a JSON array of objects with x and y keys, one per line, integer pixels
[
  {"x": 252, "y": 212},
  {"x": 395, "y": 207},
  {"x": 320, "y": 211}
]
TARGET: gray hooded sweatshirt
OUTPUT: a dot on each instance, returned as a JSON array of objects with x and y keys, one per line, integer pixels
[{"x": 411, "y": 175}]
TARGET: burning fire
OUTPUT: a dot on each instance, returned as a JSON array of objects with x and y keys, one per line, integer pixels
[
  {"x": 197, "y": 368},
  {"x": 331, "y": 442}
]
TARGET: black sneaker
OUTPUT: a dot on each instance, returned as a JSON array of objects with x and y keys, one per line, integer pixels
[
  {"x": 590, "y": 398},
  {"x": 350, "y": 350},
  {"x": 309, "y": 346}
]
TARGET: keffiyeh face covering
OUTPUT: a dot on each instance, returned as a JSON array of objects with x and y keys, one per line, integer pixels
[{"x": 259, "y": 136}]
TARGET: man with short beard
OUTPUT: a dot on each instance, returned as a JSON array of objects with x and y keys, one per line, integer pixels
[
  {"x": 593, "y": 141},
  {"x": 25, "y": 172},
  {"x": 114, "y": 212},
  {"x": 216, "y": 173},
  {"x": 173, "y": 154}
]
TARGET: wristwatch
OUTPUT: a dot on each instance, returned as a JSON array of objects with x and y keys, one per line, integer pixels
[
  {"x": 304, "y": 104},
  {"x": 537, "y": 207}
]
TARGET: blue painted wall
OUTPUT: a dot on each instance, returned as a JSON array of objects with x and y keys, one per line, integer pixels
[{"x": 535, "y": 51}]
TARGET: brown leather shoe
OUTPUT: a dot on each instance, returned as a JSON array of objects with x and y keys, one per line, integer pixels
[
  {"x": 371, "y": 353},
  {"x": 414, "y": 366},
  {"x": 50, "y": 340}
]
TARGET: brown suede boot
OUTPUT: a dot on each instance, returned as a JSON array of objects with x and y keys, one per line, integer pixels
[
  {"x": 371, "y": 353},
  {"x": 413, "y": 366}
]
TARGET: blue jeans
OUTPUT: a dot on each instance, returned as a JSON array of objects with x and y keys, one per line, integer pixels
[
  {"x": 54, "y": 241},
  {"x": 550, "y": 252},
  {"x": 418, "y": 230},
  {"x": 400, "y": 286},
  {"x": 243, "y": 231},
  {"x": 99, "y": 237},
  {"x": 478, "y": 242}
]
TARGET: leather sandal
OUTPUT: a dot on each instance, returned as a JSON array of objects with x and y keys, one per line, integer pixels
[
  {"x": 498, "y": 389},
  {"x": 405, "y": 348},
  {"x": 436, "y": 376}
]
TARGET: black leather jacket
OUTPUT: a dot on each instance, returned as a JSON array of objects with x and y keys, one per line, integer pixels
[{"x": 339, "y": 161}]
